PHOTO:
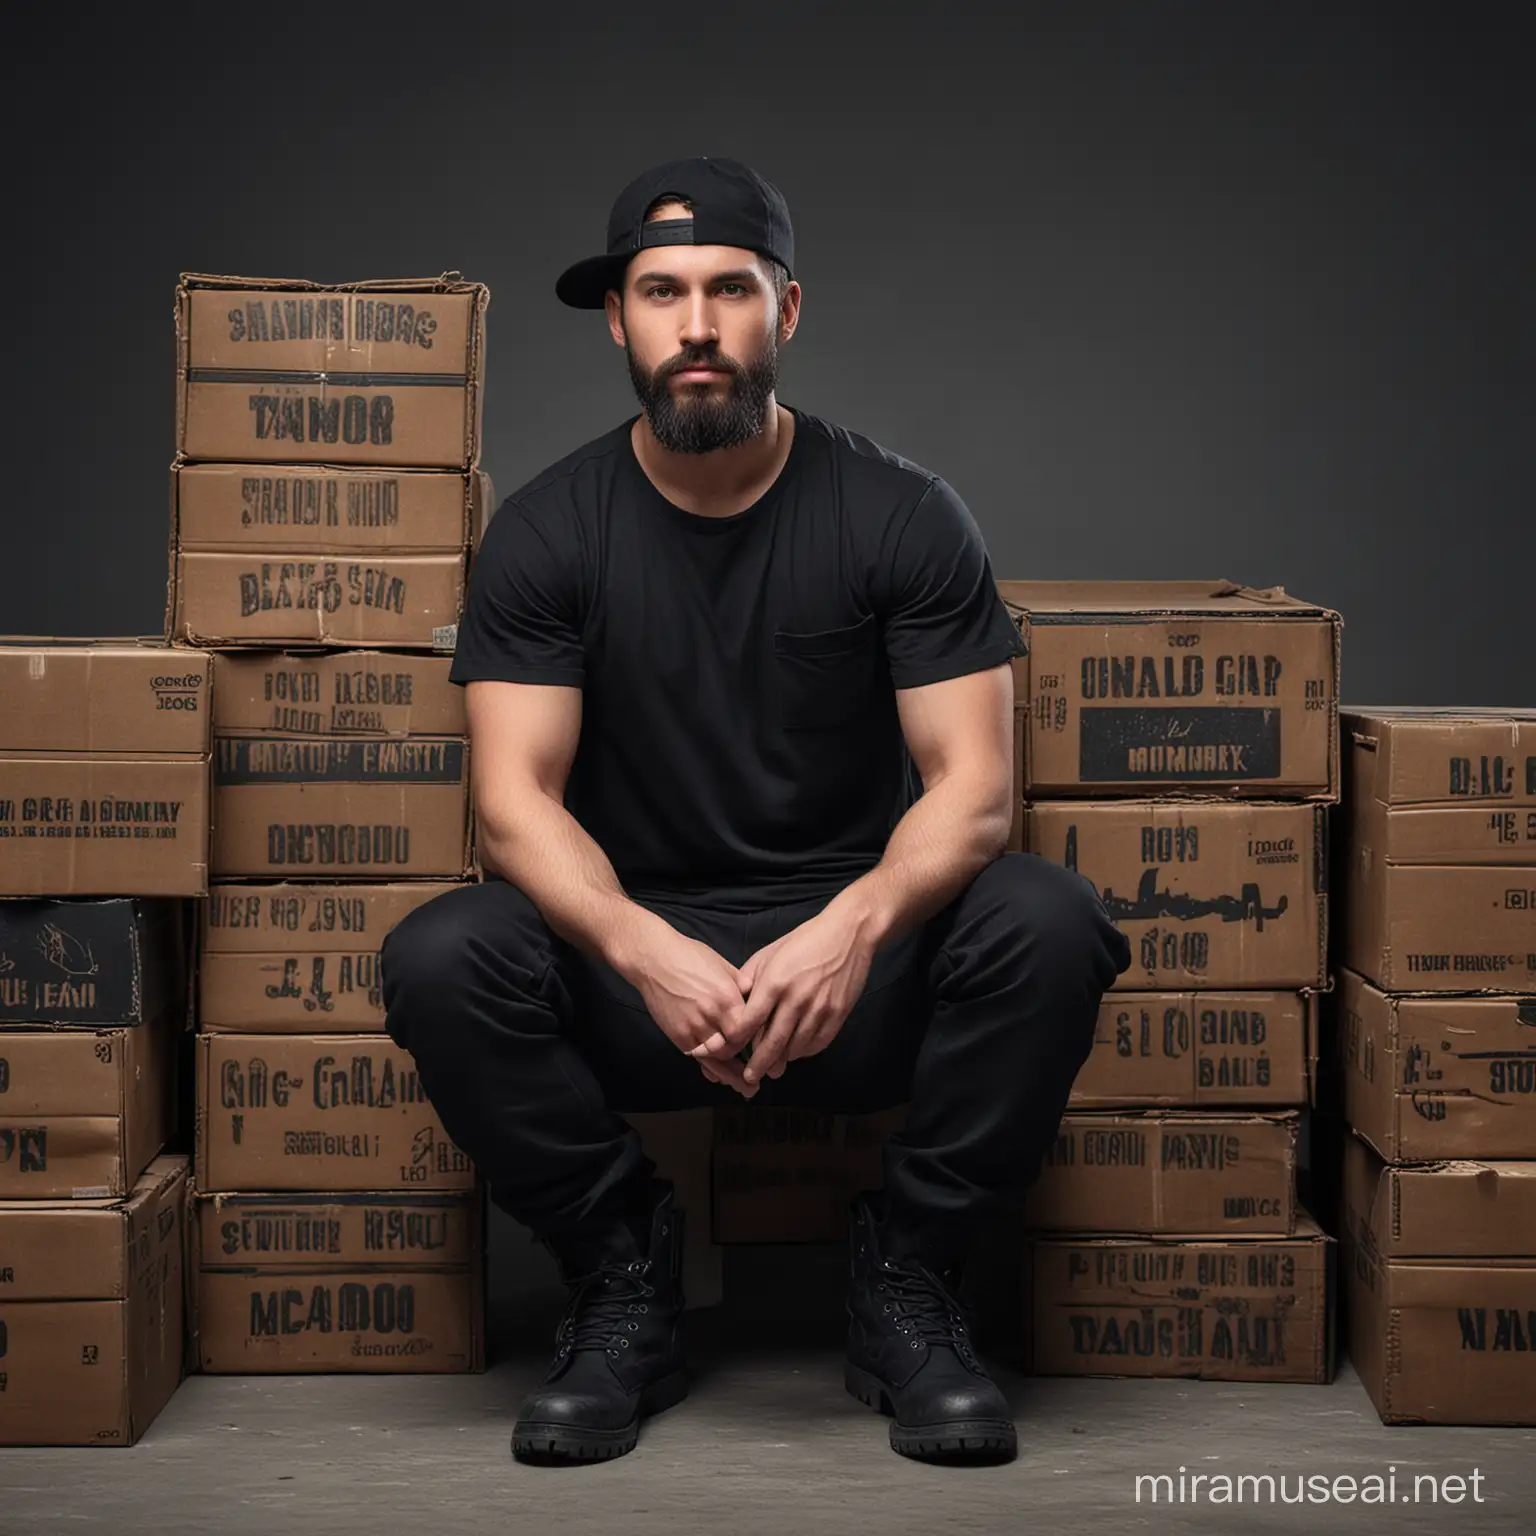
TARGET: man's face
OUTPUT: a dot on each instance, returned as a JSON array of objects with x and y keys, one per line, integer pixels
[{"x": 700, "y": 328}]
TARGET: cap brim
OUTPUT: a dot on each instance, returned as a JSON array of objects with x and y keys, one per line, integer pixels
[{"x": 584, "y": 285}]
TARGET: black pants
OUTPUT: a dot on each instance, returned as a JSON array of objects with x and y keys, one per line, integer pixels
[{"x": 980, "y": 1019}]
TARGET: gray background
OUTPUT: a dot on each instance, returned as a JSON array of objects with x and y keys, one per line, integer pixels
[{"x": 1163, "y": 289}]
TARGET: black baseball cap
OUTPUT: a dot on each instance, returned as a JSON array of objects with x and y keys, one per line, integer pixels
[{"x": 732, "y": 205}]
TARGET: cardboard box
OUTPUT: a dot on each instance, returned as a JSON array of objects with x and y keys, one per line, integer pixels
[
  {"x": 307, "y": 1112},
  {"x": 1440, "y": 867},
  {"x": 386, "y": 599},
  {"x": 333, "y": 1282},
  {"x": 83, "y": 1111},
  {"x": 1431, "y": 1077},
  {"x": 1177, "y": 686},
  {"x": 353, "y": 693},
  {"x": 91, "y": 1313},
  {"x": 1245, "y": 1309},
  {"x": 1429, "y": 928},
  {"x": 1190, "y": 1175},
  {"x": 1442, "y": 786},
  {"x": 287, "y": 371},
  {"x": 1200, "y": 1049},
  {"x": 787, "y": 1175},
  {"x": 120, "y": 960},
  {"x": 103, "y": 825},
  {"x": 107, "y": 697},
  {"x": 1210, "y": 894},
  {"x": 1440, "y": 1311},
  {"x": 1461, "y": 1208},
  {"x": 314, "y": 805},
  {"x": 103, "y": 769},
  {"x": 288, "y": 957},
  {"x": 287, "y": 509}
]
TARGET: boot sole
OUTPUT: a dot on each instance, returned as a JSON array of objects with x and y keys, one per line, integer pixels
[
  {"x": 546, "y": 1444},
  {"x": 948, "y": 1440}
]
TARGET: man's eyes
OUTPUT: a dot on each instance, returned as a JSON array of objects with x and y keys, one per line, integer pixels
[{"x": 666, "y": 290}]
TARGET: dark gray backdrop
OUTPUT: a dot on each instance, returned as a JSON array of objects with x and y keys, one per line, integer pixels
[{"x": 1163, "y": 289}]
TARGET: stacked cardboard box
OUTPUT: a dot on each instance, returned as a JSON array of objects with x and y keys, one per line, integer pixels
[
  {"x": 326, "y": 499},
  {"x": 1437, "y": 1055},
  {"x": 104, "y": 763},
  {"x": 1180, "y": 753}
]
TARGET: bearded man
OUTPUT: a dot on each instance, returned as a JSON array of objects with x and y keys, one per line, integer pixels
[{"x": 740, "y": 710}]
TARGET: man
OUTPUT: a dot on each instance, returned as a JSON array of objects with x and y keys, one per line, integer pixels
[{"x": 702, "y": 654}]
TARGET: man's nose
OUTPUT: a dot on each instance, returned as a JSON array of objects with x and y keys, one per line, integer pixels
[{"x": 698, "y": 327}]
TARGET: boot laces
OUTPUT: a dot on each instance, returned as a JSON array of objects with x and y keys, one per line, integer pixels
[
  {"x": 600, "y": 1314},
  {"x": 925, "y": 1307}
]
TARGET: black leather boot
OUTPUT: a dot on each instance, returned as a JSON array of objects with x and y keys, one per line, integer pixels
[
  {"x": 910, "y": 1354},
  {"x": 618, "y": 1350}
]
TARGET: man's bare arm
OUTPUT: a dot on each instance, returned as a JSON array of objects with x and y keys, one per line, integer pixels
[
  {"x": 960, "y": 735},
  {"x": 523, "y": 740}
]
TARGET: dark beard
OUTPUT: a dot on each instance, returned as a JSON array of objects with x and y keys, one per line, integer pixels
[{"x": 697, "y": 420}]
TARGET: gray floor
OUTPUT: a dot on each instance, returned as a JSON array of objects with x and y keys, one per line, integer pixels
[{"x": 768, "y": 1441}]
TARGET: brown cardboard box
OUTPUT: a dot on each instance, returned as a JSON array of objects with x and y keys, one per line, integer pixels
[
  {"x": 289, "y": 957},
  {"x": 1442, "y": 1316},
  {"x": 103, "y": 825},
  {"x": 1190, "y": 1175},
  {"x": 1245, "y": 1309},
  {"x": 284, "y": 1322},
  {"x": 107, "y": 697},
  {"x": 1430, "y": 1077},
  {"x": 82, "y": 1111},
  {"x": 1440, "y": 882},
  {"x": 1430, "y": 928},
  {"x": 80, "y": 961},
  {"x": 385, "y": 599},
  {"x": 339, "y": 1282},
  {"x": 353, "y": 693},
  {"x": 1461, "y": 1208},
  {"x": 1442, "y": 786},
  {"x": 285, "y": 509},
  {"x": 366, "y": 807},
  {"x": 1200, "y": 1049},
  {"x": 1194, "y": 686},
  {"x": 307, "y": 1112},
  {"x": 1210, "y": 894},
  {"x": 103, "y": 769},
  {"x": 361, "y": 1230},
  {"x": 91, "y": 1313},
  {"x": 788, "y": 1175},
  {"x": 282, "y": 370},
  {"x": 679, "y": 1142}
]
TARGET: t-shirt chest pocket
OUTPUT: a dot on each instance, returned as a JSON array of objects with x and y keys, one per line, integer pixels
[{"x": 830, "y": 679}]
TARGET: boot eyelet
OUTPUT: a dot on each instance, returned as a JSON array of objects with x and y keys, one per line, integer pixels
[
  {"x": 886, "y": 1307},
  {"x": 623, "y": 1343},
  {"x": 643, "y": 1308},
  {"x": 633, "y": 1327},
  {"x": 663, "y": 1229},
  {"x": 916, "y": 1344}
]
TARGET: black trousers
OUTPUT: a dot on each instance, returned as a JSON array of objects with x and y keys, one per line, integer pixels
[{"x": 531, "y": 1050}]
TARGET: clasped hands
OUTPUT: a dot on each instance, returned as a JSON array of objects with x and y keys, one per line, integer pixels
[{"x": 787, "y": 1001}]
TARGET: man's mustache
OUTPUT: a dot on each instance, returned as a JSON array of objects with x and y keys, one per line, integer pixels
[{"x": 684, "y": 361}]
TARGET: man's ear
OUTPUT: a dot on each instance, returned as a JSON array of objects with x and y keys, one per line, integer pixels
[
  {"x": 789, "y": 311},
  {"x": 614, "y": 305}
]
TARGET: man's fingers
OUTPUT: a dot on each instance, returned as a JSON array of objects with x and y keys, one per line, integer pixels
[{"x": 769, "y": 1050}]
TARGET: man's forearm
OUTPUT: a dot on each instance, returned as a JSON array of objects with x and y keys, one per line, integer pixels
[
  {"x": 944, "y": 841},
  {"x": 545, "y": 852}
]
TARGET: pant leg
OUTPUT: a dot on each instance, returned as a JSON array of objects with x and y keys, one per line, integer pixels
[
  {"x": 1019, "y": 963},
  {"x": 527, "y": 1047}
]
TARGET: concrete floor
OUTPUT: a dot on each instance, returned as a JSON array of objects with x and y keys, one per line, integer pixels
[{"x": 768, "y": 1442}]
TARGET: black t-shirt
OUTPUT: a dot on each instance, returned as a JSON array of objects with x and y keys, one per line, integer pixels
[{"x": 740, "y": 744}]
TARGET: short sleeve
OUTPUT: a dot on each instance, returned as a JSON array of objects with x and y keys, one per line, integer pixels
[
  {"x": 522, "y": 613},
  {"x": 943, "y": 615}
]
